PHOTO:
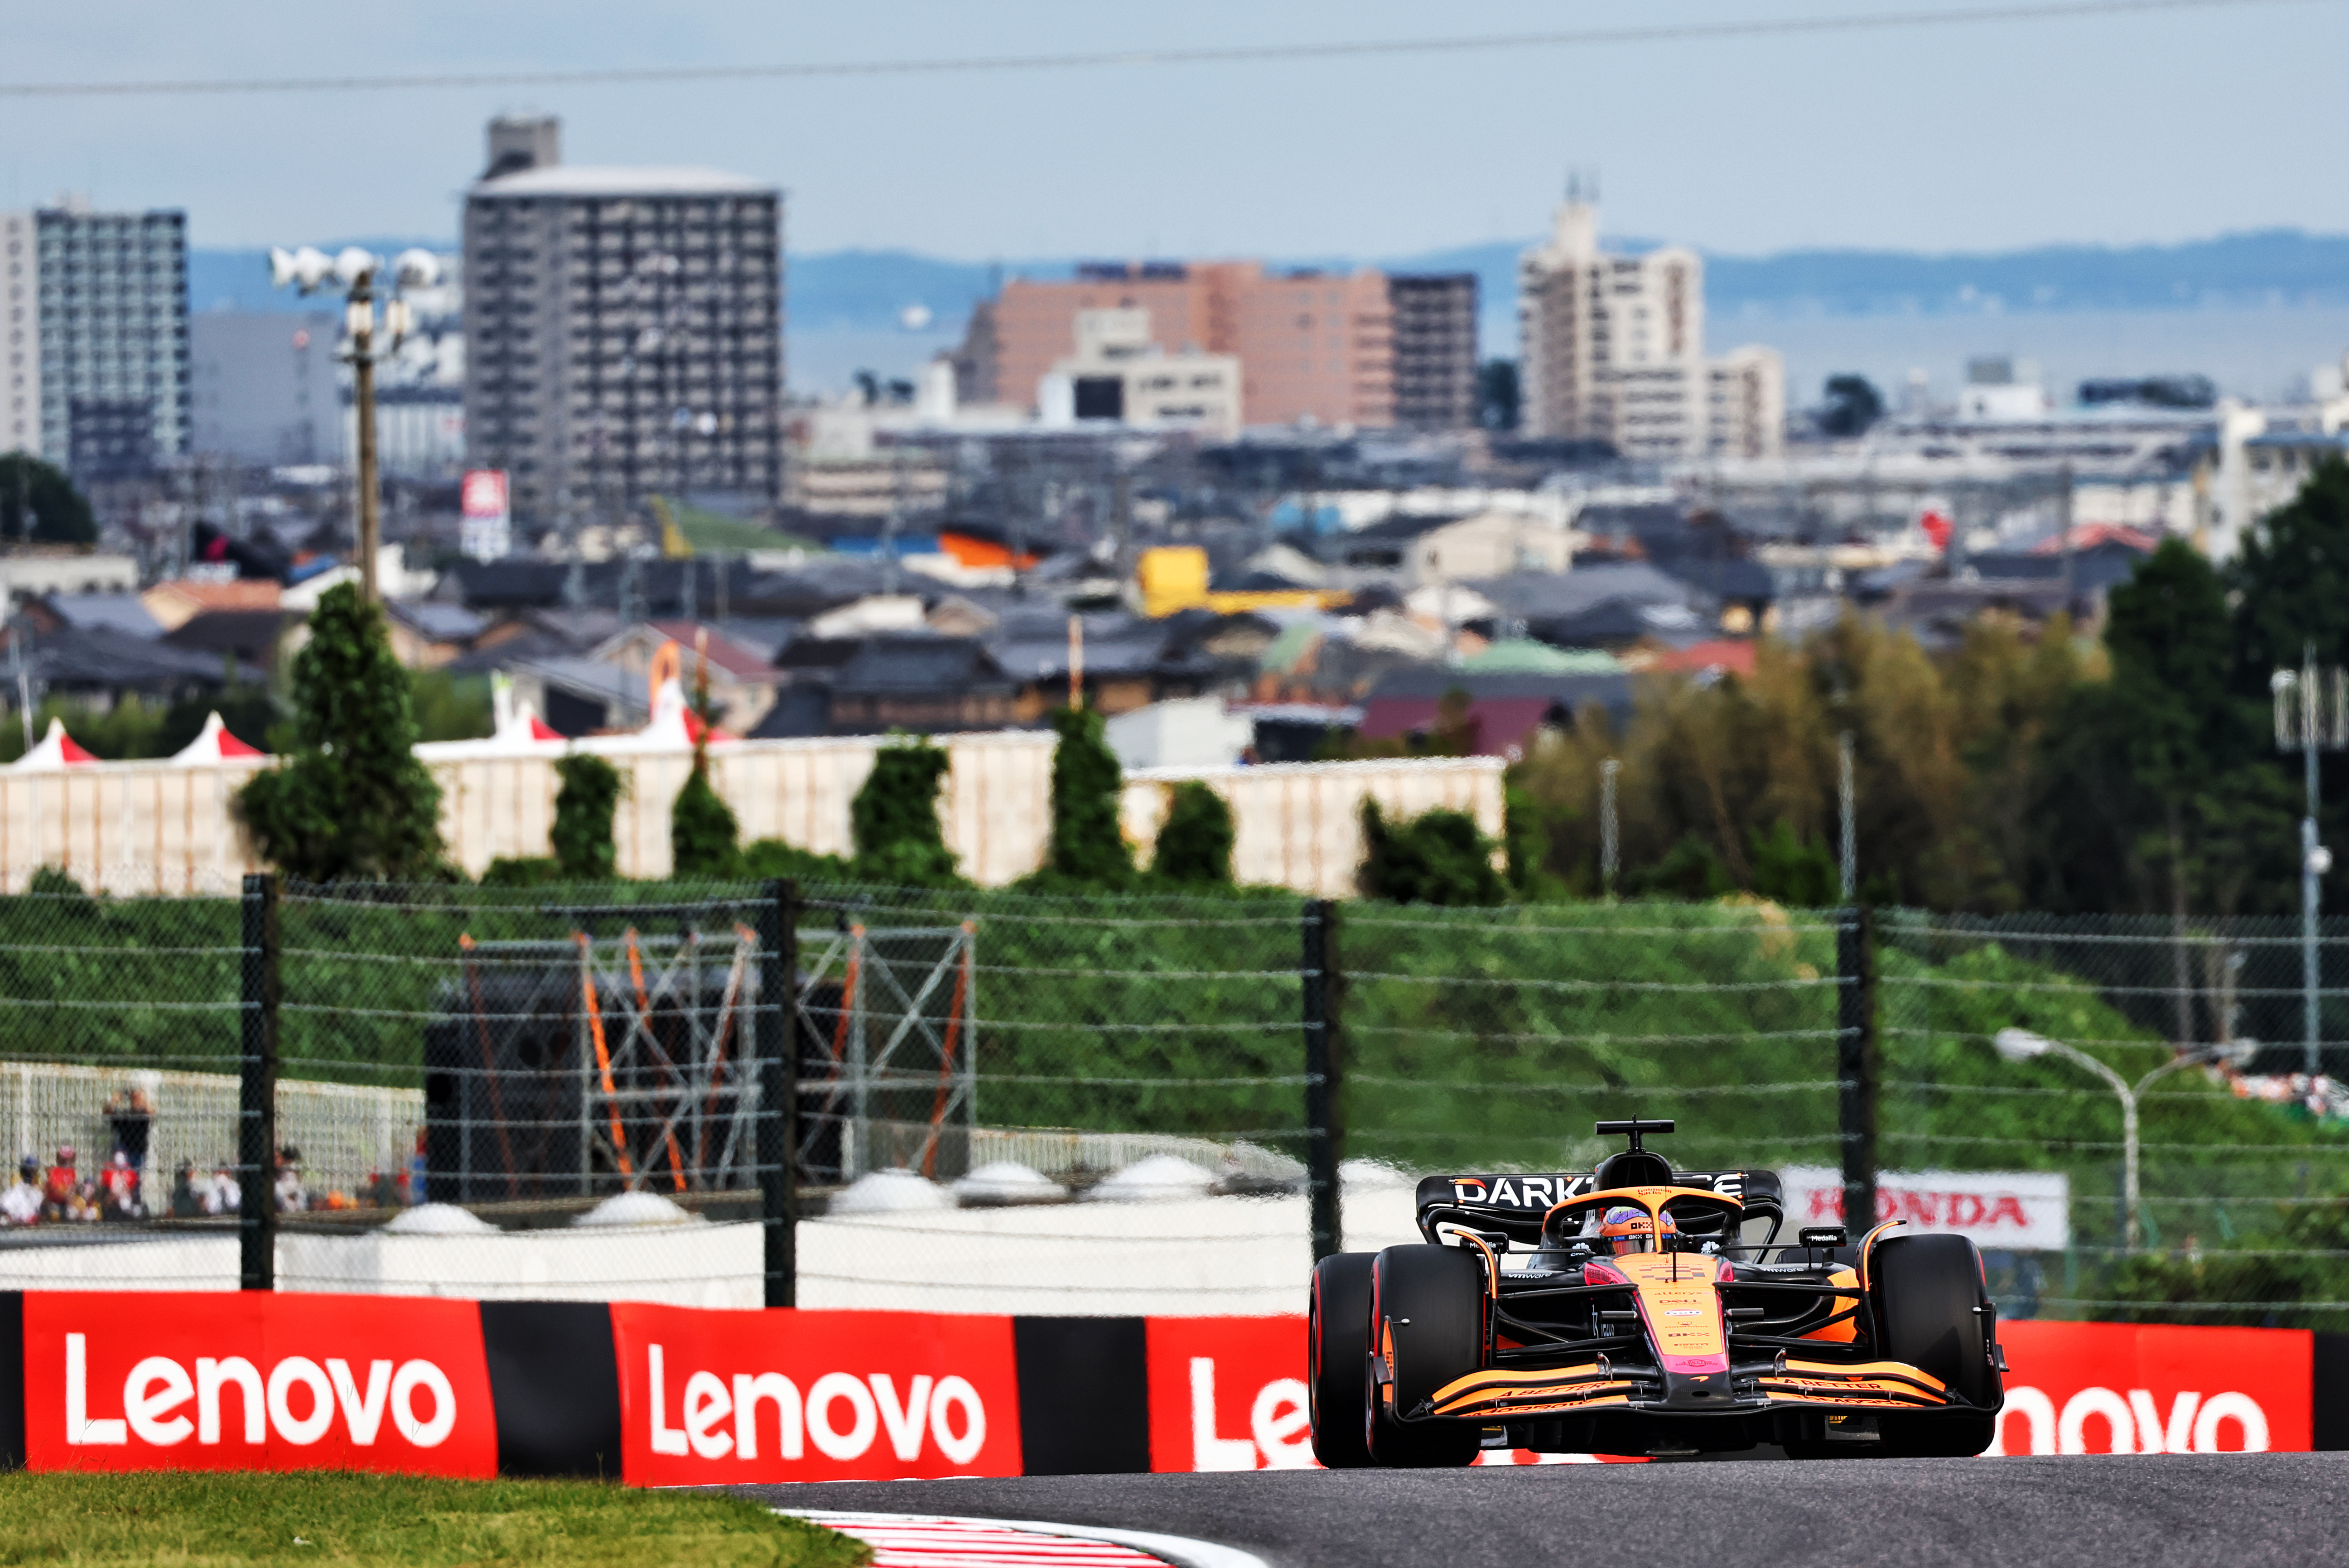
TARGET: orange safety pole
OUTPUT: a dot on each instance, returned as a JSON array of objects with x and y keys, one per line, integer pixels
[
  {"x": 947, "y": 1051},
  {"x": 644, "y": 1011},
  {"x": 603, "y": 1056}
]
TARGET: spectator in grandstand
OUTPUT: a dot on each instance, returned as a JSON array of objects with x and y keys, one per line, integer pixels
[
  {"x": 132, "y": 1117},
  {"x": 223, "y": 1196},
  {"x": 291, "y": 1198},
  {"x": 416, "y": 1171},
  {"x": 117, "y": 1190},
  {"x": 21, "y": 1203},
  {"x": 188, "y": 1186},
  {"x": 61, "y": 1191}
]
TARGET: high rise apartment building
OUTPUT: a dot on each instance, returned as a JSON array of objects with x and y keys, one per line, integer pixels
[
  {"x": 1311, "y": 346},
  {"x": 94, "y": 338},
  {"x": 1435, "y": 349},
  {"x": 624, "y": 331},
  {"x": 1613, "y": 350}
]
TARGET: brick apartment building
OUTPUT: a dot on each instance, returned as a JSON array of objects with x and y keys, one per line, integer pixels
[{"x": 1312, "y": 345}]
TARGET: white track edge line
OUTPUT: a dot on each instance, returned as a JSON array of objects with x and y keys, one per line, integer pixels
[{"x": 1179, "y": 1550}]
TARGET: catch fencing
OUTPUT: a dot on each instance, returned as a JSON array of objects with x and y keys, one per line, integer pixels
[{"x": 987, "y": 1101}]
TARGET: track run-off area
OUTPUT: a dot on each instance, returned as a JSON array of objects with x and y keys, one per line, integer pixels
[{"x": 2246, "y": 1510}]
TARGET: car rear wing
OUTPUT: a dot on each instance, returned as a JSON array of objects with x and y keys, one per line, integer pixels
[{"x": 1512, "y": 1204}]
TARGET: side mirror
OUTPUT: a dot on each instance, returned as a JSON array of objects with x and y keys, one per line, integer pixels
[{"x": 1824, "y": 1236}]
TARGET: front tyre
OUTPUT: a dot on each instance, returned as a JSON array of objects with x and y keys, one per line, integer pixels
[
  {"x": 1931, "y": 1312},
  {"x": 1336, "y": 1349},
  {"x": 1427, "y": 1304}
]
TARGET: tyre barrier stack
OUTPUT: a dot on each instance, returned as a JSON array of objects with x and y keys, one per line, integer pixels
[{"x": 662, "y": 1396}]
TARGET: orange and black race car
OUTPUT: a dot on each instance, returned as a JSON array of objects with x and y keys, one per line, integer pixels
[{"x": 1640, "y": 1310}]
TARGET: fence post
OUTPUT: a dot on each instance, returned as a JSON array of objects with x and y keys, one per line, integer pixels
[
  {"x": 256, "y": 1142},
  {"x": 1855, "y": 1061},
  {"x": 1324, "y": 983},
  {"x": 779, "y": 1090}
]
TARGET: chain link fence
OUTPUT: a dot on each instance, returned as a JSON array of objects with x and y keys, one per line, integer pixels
[{"x": 1122, "y": 1104}]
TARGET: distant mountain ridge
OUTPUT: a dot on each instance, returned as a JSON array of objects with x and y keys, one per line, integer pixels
[{"x": 865, "y": 290}]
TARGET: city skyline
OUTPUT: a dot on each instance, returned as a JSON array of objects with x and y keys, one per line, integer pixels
[{"x": 2030, "y": 132}]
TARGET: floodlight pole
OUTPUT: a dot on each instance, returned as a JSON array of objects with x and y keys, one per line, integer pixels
[{"x": 359, "y": 315}]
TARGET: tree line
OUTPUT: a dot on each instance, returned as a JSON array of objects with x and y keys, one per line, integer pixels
[{"x": 2134, "y": 773}]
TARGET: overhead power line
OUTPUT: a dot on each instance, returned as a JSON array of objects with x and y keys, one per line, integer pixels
[{"x": 632, "y": 76}]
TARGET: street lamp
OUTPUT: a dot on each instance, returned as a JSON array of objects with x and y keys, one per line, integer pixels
[
  {"x": 356, "y": 272},
  {"x": 2023, "y": 1045},
  {"x": 2311, "y": 715}
]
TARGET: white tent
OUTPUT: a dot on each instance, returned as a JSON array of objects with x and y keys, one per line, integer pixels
[
  {"x": 213, "y": 745},
  {"x": 57, "y": 752}
]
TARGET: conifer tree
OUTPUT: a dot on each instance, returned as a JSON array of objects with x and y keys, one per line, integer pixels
[{"x": 351, "y": 800}]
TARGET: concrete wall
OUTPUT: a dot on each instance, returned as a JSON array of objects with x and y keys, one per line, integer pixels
[{"x": 154, "y": 828}]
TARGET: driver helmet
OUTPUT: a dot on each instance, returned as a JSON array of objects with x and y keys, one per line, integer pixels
[{"x": 1628, "y": 1230}]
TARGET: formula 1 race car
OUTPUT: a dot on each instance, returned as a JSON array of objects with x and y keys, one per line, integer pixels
[{"x": 1635, "y": 1309}]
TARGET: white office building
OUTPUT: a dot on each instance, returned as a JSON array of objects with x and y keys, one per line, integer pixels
[
  {"x": 94, "y": 338},
  {"x": 1613, "y": 350}
]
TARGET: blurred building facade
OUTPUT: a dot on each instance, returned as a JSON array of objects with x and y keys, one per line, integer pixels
[
  {"x": 1613, "y": 350},
  {"x": 624, "y": 330},
  {"x": 266, "y": 387},
  {"x": 1313, "y": 347},
  {"x": 97, "y": 376}
]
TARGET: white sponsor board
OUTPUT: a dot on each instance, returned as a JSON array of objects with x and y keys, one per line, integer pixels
[
  {"x": 2026, "y": 1211},
  {"x": 485, "y": 528}
]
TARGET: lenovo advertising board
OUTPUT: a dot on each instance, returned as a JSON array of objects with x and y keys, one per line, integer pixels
[
  {"x": 242, "y": 1381},
  {"x": 2155, "y": 1388},
  {"x": 712, "y": 1397},
  {"x": 675, "y": 1396}
]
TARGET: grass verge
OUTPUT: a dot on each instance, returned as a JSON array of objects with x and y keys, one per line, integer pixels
[{"x": 196, "y": 1520}]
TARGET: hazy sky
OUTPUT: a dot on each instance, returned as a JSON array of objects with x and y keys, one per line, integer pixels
[{"x": 2148, "y": 127}]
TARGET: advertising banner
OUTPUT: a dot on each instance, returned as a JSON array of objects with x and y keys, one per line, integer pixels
[
  {"x": 2025, "y": 1211},
  {"x": 485, "y": 525},
  {"x": 722, "y": 1396},
  {"x": 1229, "y": 1394},
  {"x": 240, "y": 1382},
  {"x": 2155, "y": 1388}
]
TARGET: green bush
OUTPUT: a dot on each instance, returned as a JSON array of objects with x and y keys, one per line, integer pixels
[
  {"x": 523, "y": 871},
  {"x": 1089, "y": 848},
  {"x": 895, "y": 817},
  {"x": 1195, "y": 843},
  {"x": 583, "y": 809},
  {"x": 1792, "y": 872},
  {"x": 1439, "y": 856},
  {"x": 39, "y": 503},
  {"x": 351, "y": 800},
  {"x": 701, "y": 827}
]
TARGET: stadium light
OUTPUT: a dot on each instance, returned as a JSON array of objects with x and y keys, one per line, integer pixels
[
  {"x": 358, "y": 271},
  {"x": 2024, "y": 1046}
]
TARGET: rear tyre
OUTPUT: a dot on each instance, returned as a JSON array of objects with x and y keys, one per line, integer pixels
[
  {"x": 1337, "y": 1348},
  {"x": 1929, "y": 1298},
  {"x": 1429, "y": 1303}
]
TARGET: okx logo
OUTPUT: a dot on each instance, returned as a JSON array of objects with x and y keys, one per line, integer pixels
[
  {"x": 250, "y": 1381},
  {"x": 806, "y": 1395}
]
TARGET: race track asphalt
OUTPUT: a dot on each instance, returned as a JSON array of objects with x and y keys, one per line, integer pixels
[{"x": 2242, "y": 1511}]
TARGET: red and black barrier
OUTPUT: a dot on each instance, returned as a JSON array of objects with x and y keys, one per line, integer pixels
[{"x": 661, "y": 1396}]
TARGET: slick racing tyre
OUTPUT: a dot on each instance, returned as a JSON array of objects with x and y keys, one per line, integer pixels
[
  {"x": 1927, "y": 1294},
  {"x": 1429, "y": 1303},
  {"x": 1337, "y": 1348}
]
